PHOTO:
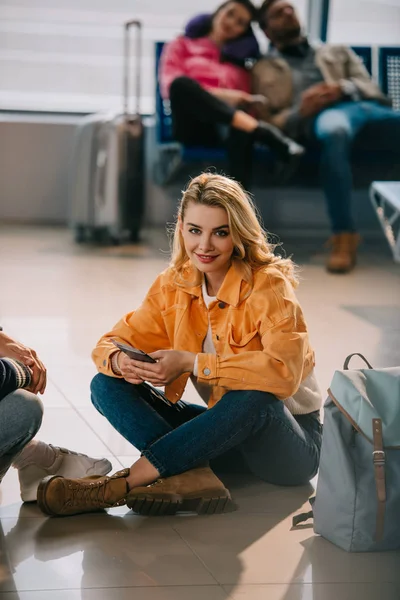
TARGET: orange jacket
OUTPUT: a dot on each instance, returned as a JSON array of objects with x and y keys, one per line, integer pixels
[{"x": 259, "y": 333}]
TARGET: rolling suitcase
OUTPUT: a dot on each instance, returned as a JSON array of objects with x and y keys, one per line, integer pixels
[{"x": 107, "y": 188}]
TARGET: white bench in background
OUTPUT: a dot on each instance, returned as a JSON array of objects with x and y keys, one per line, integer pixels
[{"x": 385, "y": 198}]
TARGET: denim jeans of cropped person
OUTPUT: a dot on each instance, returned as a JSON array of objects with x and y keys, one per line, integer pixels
[
  {"x": 20, "y": 419},
  {"x": 335, "y": 129},
  {"x": 252, "y": 429}
]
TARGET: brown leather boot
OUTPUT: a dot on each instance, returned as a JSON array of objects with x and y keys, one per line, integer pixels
[
  {"x": 58, "y": 496},
  {"x": 197, "y": 490},
  {"x": 343, "y": 253}
]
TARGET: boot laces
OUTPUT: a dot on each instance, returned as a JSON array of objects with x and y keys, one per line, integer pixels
[
  {"x": 156, "y": 482},
  {"x": 91, "y": 494}
]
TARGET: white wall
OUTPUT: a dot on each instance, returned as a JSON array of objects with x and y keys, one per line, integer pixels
[
  {"x": 365, "y": 22},
  {"x": 66, "y": 55}
]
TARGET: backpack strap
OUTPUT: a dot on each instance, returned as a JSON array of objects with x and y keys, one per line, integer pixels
[
  {"x": 379, "y": 459},
  {"x": 348, "y": 359},
  {"x": 302, "y": 517}
]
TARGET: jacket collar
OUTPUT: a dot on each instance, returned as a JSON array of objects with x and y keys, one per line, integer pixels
[{"x": 230, "y": 290}]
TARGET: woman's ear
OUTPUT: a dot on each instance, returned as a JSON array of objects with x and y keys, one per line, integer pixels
[{"x": 180, "y": 224}]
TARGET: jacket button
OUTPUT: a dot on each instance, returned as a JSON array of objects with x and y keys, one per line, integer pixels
[
  {"x": 222, "y": 305},
  {"x": 206, "y": 371}
]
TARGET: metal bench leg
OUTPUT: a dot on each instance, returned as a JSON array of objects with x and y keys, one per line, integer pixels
[{"x": 388, "y": 222}]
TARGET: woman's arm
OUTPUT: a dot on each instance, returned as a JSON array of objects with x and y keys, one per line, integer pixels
[
  {"x": 172, "y": 64},
  {"x": 143, "y": 329},
  {"x": 232, "y": 97}
]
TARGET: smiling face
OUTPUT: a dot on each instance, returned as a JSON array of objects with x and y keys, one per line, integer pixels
[
  {"x": 207, "y": 238},
  {"x": 231, "y": 21}
]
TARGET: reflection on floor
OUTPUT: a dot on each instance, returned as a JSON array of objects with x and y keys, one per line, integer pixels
[{"x": 59, "y": 298}]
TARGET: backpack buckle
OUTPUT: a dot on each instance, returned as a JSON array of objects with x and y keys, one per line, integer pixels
[{"x": 379, "y": 457}]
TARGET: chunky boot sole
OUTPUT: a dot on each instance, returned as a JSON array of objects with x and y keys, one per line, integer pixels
[
  {"x": 209, "y": 503},
  {"x": 208, "y": 506},
  {"x": 340, "y": 270},
  {"x": 159, "y": 505},
  {"x": 41, "y": 495}
]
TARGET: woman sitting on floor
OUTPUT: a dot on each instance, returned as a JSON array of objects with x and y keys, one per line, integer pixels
[{"x": 224, "y": 314}]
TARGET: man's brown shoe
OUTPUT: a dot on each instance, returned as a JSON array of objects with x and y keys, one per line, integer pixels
[
  {"x": 58, "y": 496},
  {"x": 342, "y": 258},
  {"x": 197, "y": 490}
]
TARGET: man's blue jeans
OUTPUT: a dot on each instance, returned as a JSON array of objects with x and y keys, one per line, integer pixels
[
  {"x": 252, "y": 428},
  {"x": 335, "y": 129},
  {"x": 20, "y": 419}
]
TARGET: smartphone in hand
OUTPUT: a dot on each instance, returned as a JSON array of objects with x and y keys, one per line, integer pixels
[{"x": 134, "y": 352}]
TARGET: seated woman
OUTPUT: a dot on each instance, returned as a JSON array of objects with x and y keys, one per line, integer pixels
[
  {"x": 225, "y": 314},
  {"x": 207, "y": 89}
]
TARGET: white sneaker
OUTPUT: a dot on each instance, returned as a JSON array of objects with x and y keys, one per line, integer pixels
[{"x": 71, "y": 465}]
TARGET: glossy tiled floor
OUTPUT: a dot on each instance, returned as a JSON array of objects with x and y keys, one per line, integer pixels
[{"x": 59, "y": 299}]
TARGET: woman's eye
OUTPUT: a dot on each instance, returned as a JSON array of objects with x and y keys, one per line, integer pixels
[
  {"x": 194, "y": 230},
  {"x": 222, "y": 233}
]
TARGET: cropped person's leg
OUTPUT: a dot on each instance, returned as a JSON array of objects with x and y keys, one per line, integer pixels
[
  {"x": 21, "y": 415},
  {"x": 188, "y": 98},
  {"x": 240, "y": 156},
  {"x": 382, "y": 124},
  {"x": 190, "y": 102},
  {"x": 335, "y": 132}
]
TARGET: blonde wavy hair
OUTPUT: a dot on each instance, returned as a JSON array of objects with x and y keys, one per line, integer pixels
[{"x": 252, "y": 250}]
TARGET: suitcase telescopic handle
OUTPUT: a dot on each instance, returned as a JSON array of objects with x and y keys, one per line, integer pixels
[{"x": 127, "y": 65}]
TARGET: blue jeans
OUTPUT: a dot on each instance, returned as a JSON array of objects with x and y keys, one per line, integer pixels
[
  {"x": 20, "y": 419},
  {"x": 335, "y": 129},
  {"x": 250, "y": 428}
]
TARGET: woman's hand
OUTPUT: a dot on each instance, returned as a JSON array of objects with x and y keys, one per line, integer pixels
[
  {"x": 10, "y": 348},
  {"x": 233, "y": 97},
  {"x": 169, "y": 366},
  {"x": 127, "y": 369}
]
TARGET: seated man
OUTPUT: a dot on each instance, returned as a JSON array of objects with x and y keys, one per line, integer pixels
[
  {"x": 22, "y": 376},
  {"x": 322, "y": 94}
]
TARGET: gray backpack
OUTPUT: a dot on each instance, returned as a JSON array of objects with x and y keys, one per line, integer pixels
[{"x": 357, "y": 503}]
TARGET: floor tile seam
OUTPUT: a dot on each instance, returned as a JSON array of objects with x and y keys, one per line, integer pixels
[
  {"x": 193, "y": 551},
  {"x": 18, "y": 517},
  {"x": 307, "y": 583},
  {"x": 312, "y": 583},
  {"x": 185, "y": 585},
  {"x": 122, "y": 587}
]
